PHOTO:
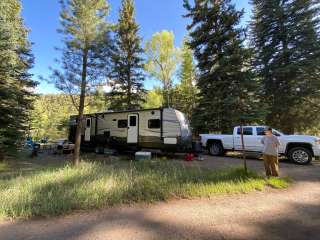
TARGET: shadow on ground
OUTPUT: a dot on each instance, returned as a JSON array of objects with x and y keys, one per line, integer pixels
[{"x": 297, "y": 222}]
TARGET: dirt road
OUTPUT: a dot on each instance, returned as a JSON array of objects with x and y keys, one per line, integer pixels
[{"x": 293, "y": 213}]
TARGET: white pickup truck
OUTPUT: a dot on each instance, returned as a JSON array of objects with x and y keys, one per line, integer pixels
[{"x": 299, "y": 149}]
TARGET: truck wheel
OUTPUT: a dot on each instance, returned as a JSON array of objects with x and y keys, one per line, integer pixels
[
  {"x": 300, "y": 155},
  {"x": 215, "y": 149}
]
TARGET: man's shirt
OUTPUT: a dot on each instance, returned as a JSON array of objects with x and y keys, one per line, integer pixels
[{"x": 270, "y": 145}]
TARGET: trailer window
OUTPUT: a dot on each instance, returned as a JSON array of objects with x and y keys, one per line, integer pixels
[
  {"x": 123, "y": 123},
  {"x": 88, "y": 122},
  {"x": 133, "y": 121},
  {"x": 154, "y": 123},
  {"x": 246, "y": 131}
]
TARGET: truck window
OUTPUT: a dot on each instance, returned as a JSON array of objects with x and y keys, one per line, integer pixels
[
  {"x": 260, "y": 131},
  {"x": 246, "y": 131},
  {"x": 276, "y": 133}
]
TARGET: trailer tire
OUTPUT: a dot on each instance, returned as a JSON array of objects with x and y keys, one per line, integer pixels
[
  {"x": 215, "y": 149},
  {"x": 300, "y": 155}
]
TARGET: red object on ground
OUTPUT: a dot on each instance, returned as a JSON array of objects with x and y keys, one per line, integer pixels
[{"x": 189, "y": 157}]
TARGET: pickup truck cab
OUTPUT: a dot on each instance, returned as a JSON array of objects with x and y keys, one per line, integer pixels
[{"x": 299, "y": 149}]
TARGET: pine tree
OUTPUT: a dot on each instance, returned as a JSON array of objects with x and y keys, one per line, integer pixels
[
  {"x": 185, "y": 93},
  {"x": 15, "y": 82},
  {"x": 287, "y": 59},
  {"x": 228, "y": 89},
  {"x": 127, "y": 76},
  {"x": 86, "y": 54}
]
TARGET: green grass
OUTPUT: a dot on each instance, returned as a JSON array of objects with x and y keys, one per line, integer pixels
[
  {"x": 279, "y": 182},
  {"x": 3, "y": 166},
  {"x": 93, "y": 185}
]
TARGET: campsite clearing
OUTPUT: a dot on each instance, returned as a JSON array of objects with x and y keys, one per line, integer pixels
[
  {"x": 59, "y": 188},
  {"x": 274, "y": 214}
]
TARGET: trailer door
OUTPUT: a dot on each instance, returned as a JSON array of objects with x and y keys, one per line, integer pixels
[
  {"x": 133, "y": 128},
  {"x": 87, "y": 132}
]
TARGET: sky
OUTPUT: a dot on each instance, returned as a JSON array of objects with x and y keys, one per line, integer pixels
[{"x": 42, "y": 18}]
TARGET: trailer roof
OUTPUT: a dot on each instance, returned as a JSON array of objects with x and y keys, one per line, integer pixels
[{"x": 123, "y": 111}]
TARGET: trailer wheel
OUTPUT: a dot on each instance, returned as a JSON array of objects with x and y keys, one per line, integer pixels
[
  {"x": 300, "y": 155},
  {"x": 215, "y": 149}
]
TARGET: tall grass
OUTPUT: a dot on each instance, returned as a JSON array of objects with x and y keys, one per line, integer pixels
[{"x": 94, "y": 185}]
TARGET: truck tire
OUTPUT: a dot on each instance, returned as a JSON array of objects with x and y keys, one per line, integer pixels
[
  {"x": 300, "y": 155},
  {"x": 215, "y": 149}
]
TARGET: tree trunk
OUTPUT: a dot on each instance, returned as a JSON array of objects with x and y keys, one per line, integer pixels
[
  {"x": 243, "y": 151},
  {"x": 76, "y": 155},
  {"x": 129, "y": 103},
  {"x": 166, "y": 97}
]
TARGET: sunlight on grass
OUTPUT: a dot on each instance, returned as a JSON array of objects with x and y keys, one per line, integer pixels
[
  {"x": 94, "y": 185},
  {"x": 279, "y": 182}
]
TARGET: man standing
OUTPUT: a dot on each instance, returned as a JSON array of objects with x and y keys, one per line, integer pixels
[{"x": 270, "y": 153}]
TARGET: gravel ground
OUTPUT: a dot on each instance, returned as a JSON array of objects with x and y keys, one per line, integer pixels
[{"x": 293, "y": 213}]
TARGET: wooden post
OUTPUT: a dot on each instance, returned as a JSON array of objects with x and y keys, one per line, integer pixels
[{"x": 243, "y": 151}]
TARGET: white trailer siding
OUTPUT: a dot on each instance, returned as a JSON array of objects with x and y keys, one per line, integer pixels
[
  {"x": 144, "y": 118},
  {"x": 109, "y": 122},
  {"x": 171, "y": 124}
]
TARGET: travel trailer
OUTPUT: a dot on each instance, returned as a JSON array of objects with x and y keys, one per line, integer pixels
[{"x": 164, "y": 129}]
